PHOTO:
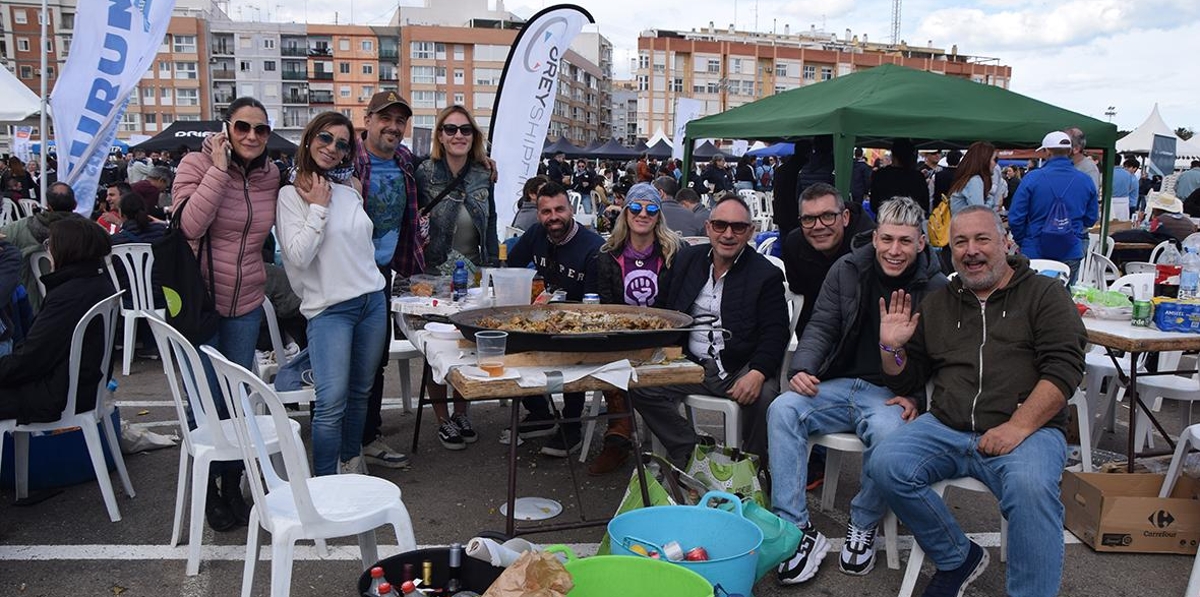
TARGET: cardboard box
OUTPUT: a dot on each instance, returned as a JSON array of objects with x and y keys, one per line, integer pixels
[{"x": 1123, "y": 513}]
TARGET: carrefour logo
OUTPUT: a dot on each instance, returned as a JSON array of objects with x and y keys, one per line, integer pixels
[{"x": 543, "y": 50}]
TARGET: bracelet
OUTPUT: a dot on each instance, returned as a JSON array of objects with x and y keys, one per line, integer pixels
[{"x": 896, "y": 352}]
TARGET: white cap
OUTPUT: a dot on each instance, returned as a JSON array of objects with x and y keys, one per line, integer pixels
[{"x": 1056, "y": 139}]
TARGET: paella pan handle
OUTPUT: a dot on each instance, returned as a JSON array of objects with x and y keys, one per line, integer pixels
[{"x": 704, "y": 319}]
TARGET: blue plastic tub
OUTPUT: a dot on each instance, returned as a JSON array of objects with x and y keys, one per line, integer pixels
[
  {"x": 732, "y": 542},
  {"x": 57, "y": 460}
]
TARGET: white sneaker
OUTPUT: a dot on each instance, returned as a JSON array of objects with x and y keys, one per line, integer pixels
[
  {"x": 804, "y": 563},
  {"x": 354, "y": 466},
  {"x": 378, "y": 452},
  {"x": 858, "y": 552}
]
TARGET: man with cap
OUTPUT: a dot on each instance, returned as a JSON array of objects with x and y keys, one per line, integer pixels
[
  {"x": 1039, "y": 194},
  {"x": 1167, "y": 217},
  {"x": 385, "y": 168}
]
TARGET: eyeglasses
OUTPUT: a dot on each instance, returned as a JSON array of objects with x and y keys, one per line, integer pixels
[
  {"x": 827, "y": 219},
  {"x": 243, "y": 127},
  {"x": 327, "y": 138},
  {"x": 450, "y": 129},
  {"x": 720, "y": 226},
  {"x": 636, "y": 208}
]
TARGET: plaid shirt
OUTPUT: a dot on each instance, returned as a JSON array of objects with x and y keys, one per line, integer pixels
[{"x": 409, "y": 257}]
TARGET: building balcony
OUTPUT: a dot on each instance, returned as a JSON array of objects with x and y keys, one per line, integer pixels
[
  {"x": 389, "y": 53},
  {"x": 320, "y": 51},
  {"x": 322, "y": 76},
  {"x": 320, "y": 97},
  {"x": 221, "y": 98},
  {"x": 291, "y": 51},
  {"x": 296, "y": 98},
  {"x": 295, "y": 75},
  {"x": 389, "y": 77},
  {"x": 223, "y": 73},
  {"x": 222, "y": 50}
]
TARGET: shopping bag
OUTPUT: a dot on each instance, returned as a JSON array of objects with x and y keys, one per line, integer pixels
[
  {"x": 939, "y": 223},
  {"x": 722, "y": 468},
  {"x": 780, "y": 537}
]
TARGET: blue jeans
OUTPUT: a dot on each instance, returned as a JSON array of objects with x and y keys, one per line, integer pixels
[
  {"x": 1025, "y": 481},
  {"x": 235, "y": 339},
  {"x": 345, "y": 344},
  {"x": 6, "y": 347},
  {"x": 840, "y": 406}
]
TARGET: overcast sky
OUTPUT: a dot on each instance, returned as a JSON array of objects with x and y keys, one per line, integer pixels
[{"x": 1083, "y": 55}]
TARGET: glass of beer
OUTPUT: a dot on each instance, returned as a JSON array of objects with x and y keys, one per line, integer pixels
[{"x": 489, "y": 351}]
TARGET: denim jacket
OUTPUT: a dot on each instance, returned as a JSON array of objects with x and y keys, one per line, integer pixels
[{"x": 475, "y": 192}]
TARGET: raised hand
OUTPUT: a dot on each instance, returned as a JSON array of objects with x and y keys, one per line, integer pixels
[
  {"x": 897, "y": 321},
  {"x": 318, "y": 191}
]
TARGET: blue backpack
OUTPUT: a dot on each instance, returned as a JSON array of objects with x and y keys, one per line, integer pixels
[{"x": 1058, "y": 240}]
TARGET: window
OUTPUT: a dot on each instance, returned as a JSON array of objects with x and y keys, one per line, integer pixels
[
  {"x": 781, "y": 69},
  {"x": 458, "y": 76},
  {"x": 343, "y": 45},
  {"x": 491, "y": 53},
  {"x": 440, "y": 75},
  {"x": 425, "y": 122},
  {"x": 167, "y": 118},
  {"x": 66, "y": 44},
  {"x": 150, "y": 118},
  {"x": 20, "y": 18},
  {"x": 714, "y": 65},
  {"x": 677, "y": 84},
  {"x": 368, "y": 69},
  {"x": 424, "y": 99},
  {"x": 484, "y": 101},
  {"x": 187, "y": 97},
  {"x": 185, "y": 70},
  {"x": 270, "y": 90},
  {"x": 459, "y": 99},
  {"x": 49, "y": 46},
  {"x": 269, "y": 43},
  {"x": 164, "y": 96},
  {"x": 735, "y": 65},
  {"x": 422, "y": 50},
  {"x": 487, "y": 76},
  {"x": 458, "y": 52},
  {"x": 697, "y": 89},
  {"x": 368, "y": 45},
  {"x": 439, "y": 51},
  {"x": 344, "y": 91},
  {"x": 164, "y": 69},
  {"x": 643, "y": 83},
  {"x": 660, "y": 68},
  {"x": 68, "y": 20},
  {"x": 643, "y": 61},
  {"x": 245, "y": 42},
  {"x": 185, "y": 44},
  {"x": 826, "y": 73},
  {"x": 22, "y": 44},
  {"x": 148, "y": 96},
  {"x": 188, "y": 118},
  {"x": 131, "y": 122},
  {"x": 344, "y": 68},
  {"x": 269, "y": 65},
  {"x": 49, "y": 72},
  {"x": 26, "y": 72},
  {"x": 243, "y": 66},
  {"x": 423, "y": 74},
  {"x": 810, "y": 73},
  {"x": 368, "y": 91},
  {"x": 747, "y": 87},
  {"x": 713, "y": 87}
]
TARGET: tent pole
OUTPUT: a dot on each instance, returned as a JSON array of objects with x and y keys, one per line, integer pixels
[
  {"x": 42, "y": 114},
  {"x": 687, "y": 161},
  {"x": 1106, "y": 194},
  {"x": 843, "y": 156}
]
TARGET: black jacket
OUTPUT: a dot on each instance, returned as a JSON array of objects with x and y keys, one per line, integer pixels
[
  {"x": 34, "y": 378},
  {"x": 752, "y": 306},
  {"x": 893, "y": 181},
  {"x": 860, "y": 180},
  {"x": 610, "y": 282},
  {"x": 10, "y": 278},
  {"x": 806, "y": 267}
]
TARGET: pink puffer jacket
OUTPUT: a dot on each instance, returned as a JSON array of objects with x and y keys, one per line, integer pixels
[{"x": 237, "y": 212}]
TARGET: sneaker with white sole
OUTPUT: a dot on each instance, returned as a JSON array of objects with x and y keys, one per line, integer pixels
[
  {"x": 559, "y": 447},
  {"x": 531, "y": 428},
  {"x": 858, "y": 552},
  {"x": 450, "y": 437},
  {"x": 803, "y": 564},
  {"x": 953, "y": 583},
  {"x": 354, "y": 466},
  {"x": 379, "y": 453},
  {"x": 467, "y": 432}
]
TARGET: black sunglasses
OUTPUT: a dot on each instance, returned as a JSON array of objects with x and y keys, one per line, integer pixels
[
  {"x": 636, "y": 208},
  {"x": 450, "y": 129},
  {"x": 327, "y": 138},
  {"x": 720, "y": 226},
  {"x": 243, "y": 127}
]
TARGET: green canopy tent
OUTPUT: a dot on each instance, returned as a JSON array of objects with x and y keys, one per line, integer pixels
[{"x": 893, "y": 101}]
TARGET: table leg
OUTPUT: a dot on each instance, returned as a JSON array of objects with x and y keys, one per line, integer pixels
[
  {"x": 562, "y": 433},
  {"x": 1134, "y": 401},
  {"x": 425, "y": 375},
  {"x": 514, "y": 437},
  {"x": 637, "y": 450}
]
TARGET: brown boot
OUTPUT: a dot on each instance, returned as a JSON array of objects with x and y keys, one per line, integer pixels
[{"x": 610, "y": 458}]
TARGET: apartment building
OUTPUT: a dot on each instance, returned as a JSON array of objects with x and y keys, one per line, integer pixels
[
  {"x": 625, "y": 111},
  {"x": 728, "y": 68}
]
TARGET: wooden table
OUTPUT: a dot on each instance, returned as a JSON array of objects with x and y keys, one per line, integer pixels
[{"x": 1121, "y": 335}]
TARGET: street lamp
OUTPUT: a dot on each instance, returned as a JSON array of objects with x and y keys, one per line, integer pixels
[{"x": 1110, "y": 112}]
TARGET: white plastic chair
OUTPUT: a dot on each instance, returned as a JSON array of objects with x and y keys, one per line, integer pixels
[
  {"x": 1139, "y": 267},
  {"x": 40, "y": 265},
  {"x": 89, "y": 422},
  {"x": 213, "y": 439},
  {"x": 1189, "y": 437},
  {"x": 1098, "y": 271},
  {"x": 138, "y": 261},
  {"x": 267, "y": 374},
  {"x": 765, "y": 247},
  {"x": 1159, "y": 388},
  {"x": 1044, "y": 265},
  {"x": 402, "y": 352},
  {"x": 1158, "y": 250},
  {"x": 835, "y": 444},
  {"x": 696, "y": 240},
  {"x": 303, "y": 507},
  {"x": 28, "y": 207},
  {"x": 8, "y": 212}
]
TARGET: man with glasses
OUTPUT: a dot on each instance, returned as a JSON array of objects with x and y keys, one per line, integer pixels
[
  {"x": 837, "y": 385},
  {"x": 385, "y": 168},
  {"x": 743, "y": 291}
]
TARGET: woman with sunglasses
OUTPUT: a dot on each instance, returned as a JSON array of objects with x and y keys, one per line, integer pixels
[
  {"x": 462, "y": 227},
  {"x": 325, "y": 237},
  {"x": 632, "y": 269},
  {"x": 224, "y": 197}
]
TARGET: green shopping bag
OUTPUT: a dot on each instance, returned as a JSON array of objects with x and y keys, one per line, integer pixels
[
  {"x": 633, "y": 500},
  {"x": 730, "y": 470}
]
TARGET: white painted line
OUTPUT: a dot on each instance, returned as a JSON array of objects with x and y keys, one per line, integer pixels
[{"x": 233, "y": 553}]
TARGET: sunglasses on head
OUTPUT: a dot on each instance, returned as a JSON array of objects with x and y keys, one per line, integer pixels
[
  {"x": 720, "y": 226},
  {"x": 450, "y": 129},
  {"x": 243, "y": 127},
  {"x": 327, "y": 138},
  {"x": 636, "y": 208}
]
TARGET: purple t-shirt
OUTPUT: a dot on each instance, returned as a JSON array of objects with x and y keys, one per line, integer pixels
[{"x": 640, "y": 273}]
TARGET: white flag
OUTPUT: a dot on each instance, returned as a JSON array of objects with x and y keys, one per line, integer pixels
[
  {"x": 525, "y": 101},
  {"x": 108, "y": 57},
  {"x": 686, "y": 110}
]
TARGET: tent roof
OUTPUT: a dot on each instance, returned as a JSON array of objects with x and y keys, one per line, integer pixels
[
  {"x": 191, "y": 133},
  {"x": 658, "y": 135},
  {"x": 562, "y": 145},
  {"x": 706, "y": 151},
  {"x": 894, "y": 101},
  {"x": 1140, "y": 140},
  {"x": 641, "y": 147},
  {"x": 593, "y": 145},
  {"x": 612, "y": 150},
  {"x": 776, "y": 149},
  {"x": 19, "y": 102},
  {"x": 662, "y": 149}
]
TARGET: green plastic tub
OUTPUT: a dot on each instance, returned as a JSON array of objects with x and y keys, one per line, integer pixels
[{"x": 630, "y": 576}]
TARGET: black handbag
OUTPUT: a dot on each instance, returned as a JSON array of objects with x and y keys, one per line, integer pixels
[{"x": 190, "y": 305}]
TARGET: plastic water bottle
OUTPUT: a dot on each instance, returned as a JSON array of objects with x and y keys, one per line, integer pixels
[
  {"x": 377, "y": 581},
  {"x": 1189, "y": 275},
  {"x": 459, "y": 281}
]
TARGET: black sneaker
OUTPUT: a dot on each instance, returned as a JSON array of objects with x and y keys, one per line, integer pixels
[
  {"x": 450, "y": 437},
  {"x": 467, "y": 432},
  {"x": 559, "y": 447},
  {"x": 858, "y": 552},
  {"x": 804, "y": 563},
  {"x": 531, "y": 428},
  {"x": 953, "y": 583}
]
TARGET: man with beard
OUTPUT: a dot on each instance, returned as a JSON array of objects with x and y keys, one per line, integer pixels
[
  {"x": 565, "y": 255},
  {"x": 1003, "y": 348}
]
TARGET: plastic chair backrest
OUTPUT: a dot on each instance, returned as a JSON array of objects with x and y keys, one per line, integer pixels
[
  {"x": 1139, "y": 267},
  {"x": 40, "y": 265},
  {"x": 696, "y": 240},
  {"x": 28, "y": 207},
  {"x": 777, "y": 262},
  {"x": 273, "y": 331},
  {"x": 1158, "y": 250},
  {"x": 765, "y": 247},
  {"x": 1134, "y": 282},
  {"x": 1105, "y": 270},
  {"x": 137, "y": 259},
  {"x": 106, "y": 310},
  {"x": 182, "y": 362},
  {"x": 1044, "y": 265},
  {"x": 245, "y": 394},
  {"x": 8, "y": 212}
]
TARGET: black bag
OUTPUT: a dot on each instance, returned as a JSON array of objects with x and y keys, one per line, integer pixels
[{"x": 190, "y": 307}]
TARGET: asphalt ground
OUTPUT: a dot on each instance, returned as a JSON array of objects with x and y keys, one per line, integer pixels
[{"x": 67, "y": 546}]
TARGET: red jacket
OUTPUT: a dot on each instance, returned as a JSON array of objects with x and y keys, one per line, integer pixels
[{"x": 237, "y": 212}]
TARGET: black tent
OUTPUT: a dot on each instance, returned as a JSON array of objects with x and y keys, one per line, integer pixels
[
  {"x": 660, "y": 150},
  {"x": 191, "y": 134},
  {"x": 612, "y": 150},
  {"x": 595, "y": 144},
  {"x": 640, "y": 147},
  {"x": 706, "y": 151},
  {"x": 564, "y": 146}
]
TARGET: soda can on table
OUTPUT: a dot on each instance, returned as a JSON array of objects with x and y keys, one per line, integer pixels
[
  {"x": 1142, "y": 313},
  {"x": 591, "y": 298}
]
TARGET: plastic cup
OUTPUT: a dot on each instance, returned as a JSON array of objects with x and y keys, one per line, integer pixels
[{"x": 489, "y": 351}]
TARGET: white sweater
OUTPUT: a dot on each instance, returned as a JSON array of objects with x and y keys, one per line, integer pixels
[{"x": 327, "y": 251}]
